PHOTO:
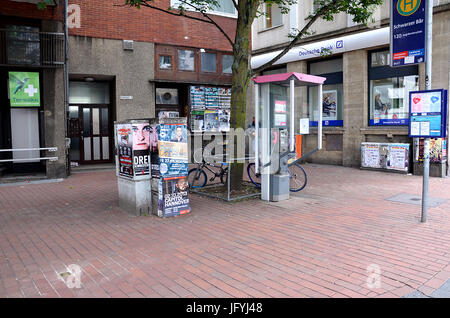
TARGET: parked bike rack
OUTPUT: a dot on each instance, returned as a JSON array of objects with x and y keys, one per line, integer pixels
[
  {"x": 228, "y": 198},
  {"x": 50, "y": 149}
]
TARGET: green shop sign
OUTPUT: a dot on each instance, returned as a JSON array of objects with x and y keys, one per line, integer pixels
[{"x": 24, "y": 90}]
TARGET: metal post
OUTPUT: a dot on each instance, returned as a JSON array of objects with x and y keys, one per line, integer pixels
[
  {"x": 256, "y": 128},
  {"x": 319, "y": 126},
  {"x": 426, "y": 148},
  {"x": 292, "y": 128}
]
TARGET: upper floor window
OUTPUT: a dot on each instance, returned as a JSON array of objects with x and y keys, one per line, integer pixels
[
  {"x": 225, "y": 7},
  {"x": 186, "y": 60},
  {"x": 23, "y": 45},
  {"x": 227, "y": 63},
  {"x": 209, "y": 62},
  {"x": 273, "y": 16}
]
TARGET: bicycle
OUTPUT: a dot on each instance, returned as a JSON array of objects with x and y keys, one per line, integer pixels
[
  {"x": 297, "y": 176},
  {"x": 197, "y": 177}
]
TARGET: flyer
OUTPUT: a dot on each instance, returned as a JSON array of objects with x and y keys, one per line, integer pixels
[
  {"x": 172, "y": 149},
  {"x": 141, "y": 148},
  {"x": 124, "y": 150},
  {"x": 211, "y": 120},
  {"x": 173, "y": 196},
  {"x": 371, "y": 156},
  {"x": 329, "y": 105},
  {"x": 397, "y": 158}
]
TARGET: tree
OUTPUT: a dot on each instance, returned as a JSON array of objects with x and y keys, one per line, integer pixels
[{"x": 247, "y": 11}]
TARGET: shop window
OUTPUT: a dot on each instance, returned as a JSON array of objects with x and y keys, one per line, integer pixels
[
  {"x": 227, "y": 63},
  {"x": 389, "y": 90},
  {"x": 273, "y": 16},
  {"x": 332, "y": 93},
  {"x": 186, "y": 60},
  {"x": 209, "y": 62},
  {"x": 165, "y": 62}
]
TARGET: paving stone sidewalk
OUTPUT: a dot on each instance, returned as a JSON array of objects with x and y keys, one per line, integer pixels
[{"x": 340, "y": 237}]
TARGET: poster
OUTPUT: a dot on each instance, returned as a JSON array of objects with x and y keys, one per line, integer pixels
[
  {"x": 124, "y": 150},
  {"x": 197, "y": 119},
  {"x": 428, "y": 114},
  {"x": 168, "y": 114},
  {"x": 382, "y": 102},
  {"x": 24, "y": 89},
  {"x": 154, "y": 155},
  {"x": 173, "y": 197},
  {"x": 224, "y": 97},
  {"x": 280, "y": 120},
  {"x": 211, "y": 97},
  {"x": 371, "y": 156},
  {"x": 280, "y": 106},
  {"x": 141, "y": 148},
  {"x": 197, "y": 97},
  {"x": 211, "y": 122},
  {"x": 224, "y": 119},
  {"x": 172, "y": 149},
  {"x": 385, "y": 156},
  {"x": 438, "y": 150},
  {"x": 210, "y": 108},
  {"x": 398, "y": 158},
  {"x": 329, "y": 105}
]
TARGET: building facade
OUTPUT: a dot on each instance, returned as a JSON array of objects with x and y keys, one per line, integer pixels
[
  {"x": 128, "y": 63},
  {"x": 369, "y": 98},
  {"x": 32, "y": 94}
]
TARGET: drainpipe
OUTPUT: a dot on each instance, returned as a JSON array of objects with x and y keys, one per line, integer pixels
[{"x": 66, "y": 73}]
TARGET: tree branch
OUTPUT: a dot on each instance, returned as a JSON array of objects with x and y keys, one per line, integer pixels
[
  {"x": 210, "y": 19},
  {"x": 235, "y": 5},
  {"x": 295, "y": 40},
  {"x": 145, "y": 4}
]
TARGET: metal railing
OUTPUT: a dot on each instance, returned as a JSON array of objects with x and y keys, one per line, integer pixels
[
  {"x": 31, "y": 48},
  {"x": 50, "y": 149}
]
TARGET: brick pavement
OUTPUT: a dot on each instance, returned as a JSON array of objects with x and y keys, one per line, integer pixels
[{"x": 318, "y": 244}]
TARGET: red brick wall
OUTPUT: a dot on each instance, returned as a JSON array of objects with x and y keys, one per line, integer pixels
[
  {"x": 30, "y": 10},
  {"x": 102, "y": 19}
]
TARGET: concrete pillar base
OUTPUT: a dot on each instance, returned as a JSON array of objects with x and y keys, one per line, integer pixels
[{"x": 135, "y": 196}]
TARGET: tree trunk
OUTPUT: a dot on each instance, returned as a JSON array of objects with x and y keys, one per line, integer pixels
[{"x": 240, "y": 82}]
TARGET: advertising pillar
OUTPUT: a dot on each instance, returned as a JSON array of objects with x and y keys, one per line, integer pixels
[
  {"x": 133, "y": 165},
  {"x": 169, "y": 155}
]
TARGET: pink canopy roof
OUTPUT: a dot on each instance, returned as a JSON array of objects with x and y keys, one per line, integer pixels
[{"x": 284, "y": 79}]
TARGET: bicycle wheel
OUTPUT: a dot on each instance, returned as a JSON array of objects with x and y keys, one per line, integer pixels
[
  {"x": 297, "y": 177},
  {"x": 196, "y": 178},
  {"x": 253, "y": 176}
]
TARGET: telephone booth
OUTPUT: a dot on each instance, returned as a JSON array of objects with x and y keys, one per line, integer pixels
[{"x": 275, "y": 115}]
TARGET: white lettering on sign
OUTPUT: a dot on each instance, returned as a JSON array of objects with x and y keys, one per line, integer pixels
[
  {"x": 141, "y": 160},
  {"x": 74, "y": 16},
  {"x": 30, "y": 90}
]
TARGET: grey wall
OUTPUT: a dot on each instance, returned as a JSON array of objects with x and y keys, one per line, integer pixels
[{"x": 132, "y": 71}]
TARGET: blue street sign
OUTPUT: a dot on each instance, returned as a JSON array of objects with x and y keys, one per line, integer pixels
[
  {"x": 428, "y": 114},
  {"x": 408, "y": 32}
]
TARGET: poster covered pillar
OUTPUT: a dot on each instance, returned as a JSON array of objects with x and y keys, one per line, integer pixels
[
  {"x": 169, "y": 169},
  {"x": 132, "y": 145}
]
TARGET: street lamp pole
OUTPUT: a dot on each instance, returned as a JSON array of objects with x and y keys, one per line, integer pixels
[{"x": 426, "y": 148}]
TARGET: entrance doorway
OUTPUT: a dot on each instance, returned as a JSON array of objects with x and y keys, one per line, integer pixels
[
  {"x": 90, "y": 118},
  {"x": 89, "y": 131}
]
